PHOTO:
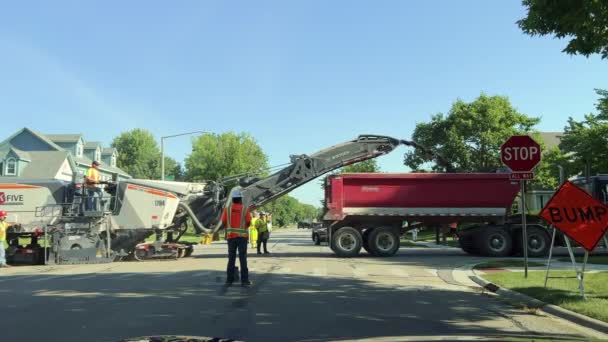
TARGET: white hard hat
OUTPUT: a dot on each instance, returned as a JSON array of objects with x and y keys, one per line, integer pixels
[{"x": 236, "y": 193}]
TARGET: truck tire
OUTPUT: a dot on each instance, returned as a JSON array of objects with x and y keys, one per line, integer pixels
[
  {"x": 539, "y": 242},
  {"x": 468, "y": 244},
  {"x": 316, "y": 239},
  {"x": 366, "y": 240},
  {"x": 384, "y": 241},
  {"x": 495, "y": 242},
  {"x": 346, "y": 242}
]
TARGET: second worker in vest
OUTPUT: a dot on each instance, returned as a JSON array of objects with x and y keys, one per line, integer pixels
[
  {"x": 236, "y": 218},
  {"x": 263, "y": 233}
]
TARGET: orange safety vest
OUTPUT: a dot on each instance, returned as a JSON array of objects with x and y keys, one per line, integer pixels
[
  {"x": 93, "y": 175},
  {"x": 236, "y": 224}
]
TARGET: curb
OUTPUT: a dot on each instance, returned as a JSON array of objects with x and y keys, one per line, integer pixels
[{"x": 551, "y": 309}]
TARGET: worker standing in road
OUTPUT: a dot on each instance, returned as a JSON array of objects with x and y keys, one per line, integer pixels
[
  {"x": 253, "y": 231},
  {"x": 3, "y": 228},
  {"x": 236, "y": 218},
  {"x": 92, "y": 185},
  {"x": 263, "y": 235}
]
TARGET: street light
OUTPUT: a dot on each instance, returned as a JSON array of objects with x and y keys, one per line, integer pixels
[{"x": 162, "y": 149}]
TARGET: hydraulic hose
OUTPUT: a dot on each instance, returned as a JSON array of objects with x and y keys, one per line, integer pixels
[{"x": 198, "y": 226}]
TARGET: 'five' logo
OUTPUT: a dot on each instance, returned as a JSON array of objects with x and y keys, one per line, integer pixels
[{"x": 2, "y": 198}]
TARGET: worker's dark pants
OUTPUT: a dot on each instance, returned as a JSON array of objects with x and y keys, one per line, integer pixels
[
  {"x": 241, "y": 244},
  {"x": 263, "y": 239},
  {"x": 93, "y": 198}
]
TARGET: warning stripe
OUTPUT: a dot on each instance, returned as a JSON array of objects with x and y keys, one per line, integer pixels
[
  {"x": 18, "y": 186},
  {"x": 151, "y": 191}
]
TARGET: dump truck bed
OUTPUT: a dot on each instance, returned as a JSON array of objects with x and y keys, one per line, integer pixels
[{"x": 427, "y": 197}]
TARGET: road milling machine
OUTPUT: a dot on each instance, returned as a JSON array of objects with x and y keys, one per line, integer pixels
[{"x": 51, "y": 213}]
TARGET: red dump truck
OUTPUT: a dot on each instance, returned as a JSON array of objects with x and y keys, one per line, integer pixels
[{"x": 368, "y": 210}]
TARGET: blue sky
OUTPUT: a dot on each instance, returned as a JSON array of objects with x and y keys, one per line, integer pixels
[{"x": 298, "y": 75}]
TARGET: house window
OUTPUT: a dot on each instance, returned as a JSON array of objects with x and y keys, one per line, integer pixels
[
  {"x": 11, "y": 167},
  {"x": 97, "y": 155},
  {"x": 79, "y": 150},
  {"x": 113, "y": 162}
]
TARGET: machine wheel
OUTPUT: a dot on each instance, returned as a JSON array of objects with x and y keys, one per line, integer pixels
[
  {"x": 495, "y": 242},
  {"x": 346, "y": 242},
  {"x": 189, "y": 251},
  {"x": 141, "y": 254},
  {"x": 181, "y": 252},
  {"x": 384, "y": 241},
  {"x": 316, "y": 239},
  {"x": 468, "y": 244},
  {"x": 366, "y": 234}
]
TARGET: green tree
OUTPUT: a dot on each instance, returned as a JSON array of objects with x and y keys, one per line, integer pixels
[
  {"x": 585, "y": 22},
  {"x": 470, "y": 135},
  {"x": 215, "y": 156},
  {"x": 586, "y": 141},
  {"x": 139, "y": 155},
  {"x": 370, "y": 165}
]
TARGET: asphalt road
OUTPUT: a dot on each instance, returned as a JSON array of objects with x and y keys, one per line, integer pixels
[{"x": 301, "y": 292}]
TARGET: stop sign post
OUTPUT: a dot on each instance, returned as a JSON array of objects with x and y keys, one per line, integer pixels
[{"x": 521, "y": 154}]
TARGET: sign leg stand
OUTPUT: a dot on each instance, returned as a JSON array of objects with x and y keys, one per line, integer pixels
[
  {"x": 578, "y": 274},
  {"x": 550, "y": 255}
]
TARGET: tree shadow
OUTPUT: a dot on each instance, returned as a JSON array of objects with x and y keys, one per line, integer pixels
[{"x": 279, "y": 307}]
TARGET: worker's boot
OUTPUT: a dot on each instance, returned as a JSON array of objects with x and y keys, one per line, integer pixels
[{"x": 246, "y": 283}]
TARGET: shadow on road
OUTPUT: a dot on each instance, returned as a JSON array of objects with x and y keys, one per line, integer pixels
[{"x": 279, "y": 307}]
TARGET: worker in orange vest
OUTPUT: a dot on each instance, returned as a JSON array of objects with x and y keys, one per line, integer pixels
[
  {"x": 92, "y": 179},
  {"x": 236, "y": 218}
]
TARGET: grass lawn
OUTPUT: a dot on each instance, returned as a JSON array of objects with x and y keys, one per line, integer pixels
[
  {"x": 506, "y": 263},
  {"x": 593, "y": 259},
  {"x": 561, "y": 292}
]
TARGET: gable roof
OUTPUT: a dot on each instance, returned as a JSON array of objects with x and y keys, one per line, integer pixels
[
  {"x": 86, "y": 162},
  {"x": 64, "y": 138},
  {"x": 38, "y": 135},
  {"x": 44, "y": 164},
  {"x": 551, "y": 139},
  {"x": 108, "y": 150},
  {"x": 91, "y": 145},
  {"x": 6, "y": 148}
]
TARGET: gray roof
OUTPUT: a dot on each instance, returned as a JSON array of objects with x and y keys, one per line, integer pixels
[
  {"x": 64, "y": 138},
  {"x": 551, "y": 139},
  {"x": 91, "y": 145},
  {"x": 108, "y": 150},
  {"x": 36, "y": 134},
  {"x": 83, "y": 161},
  {"x": 44, "y": 164},
  {"x": 6, "y": 148}
]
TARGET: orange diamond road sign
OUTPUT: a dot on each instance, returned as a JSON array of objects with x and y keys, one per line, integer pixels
[{"x": 577, "y": 214}]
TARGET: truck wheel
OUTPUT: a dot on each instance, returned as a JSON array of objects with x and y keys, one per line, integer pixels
[
  {"x": 468, "y": 244},
  {"x": 366, "y": 241},
  {"x": 316, "y": 239},
  {"x": 384, "y": 241},
  {"x": 346, "y": 242},
  {"x": 495, "y": 242},
  {"x": 539, "y": 242}
]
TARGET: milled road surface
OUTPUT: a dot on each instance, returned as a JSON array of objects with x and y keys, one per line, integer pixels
[{"x": 301, "y": 292}]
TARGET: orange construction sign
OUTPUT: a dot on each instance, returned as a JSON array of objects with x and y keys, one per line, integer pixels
[{"x": 577, "y": 214}]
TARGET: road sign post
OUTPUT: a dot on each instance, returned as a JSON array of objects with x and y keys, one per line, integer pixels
[{"x": 521, "y": 154}]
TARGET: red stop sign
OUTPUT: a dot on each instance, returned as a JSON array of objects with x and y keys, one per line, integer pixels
[{"x": 520, "y": 153}]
